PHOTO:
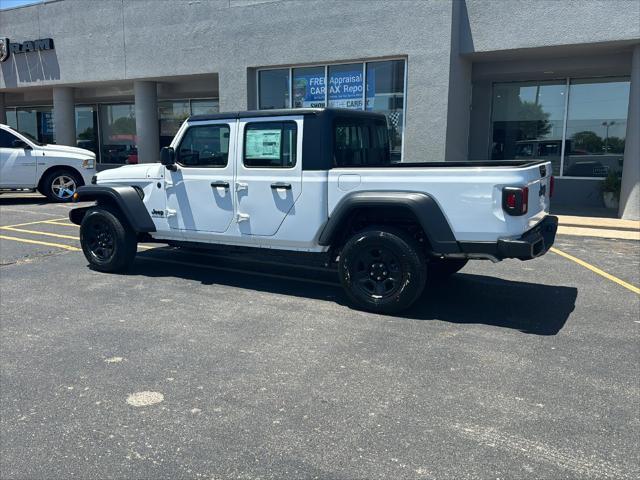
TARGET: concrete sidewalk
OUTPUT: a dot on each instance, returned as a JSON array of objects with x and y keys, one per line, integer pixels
[{"x": 599, "y": 227}]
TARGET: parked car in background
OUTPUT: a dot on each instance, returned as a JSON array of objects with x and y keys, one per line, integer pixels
[{"x": 54, "y": 170}]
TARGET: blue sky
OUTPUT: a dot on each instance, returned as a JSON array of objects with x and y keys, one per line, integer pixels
[{"x": 16, "y": 3}]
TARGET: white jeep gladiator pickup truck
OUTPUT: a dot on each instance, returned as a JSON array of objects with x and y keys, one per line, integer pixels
[
  {"x": 56, "y": 171},
  {"x": 320, "y": 180}
]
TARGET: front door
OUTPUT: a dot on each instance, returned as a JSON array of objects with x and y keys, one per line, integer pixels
[
  {"x": 17, "y": 165},
  {"x": 268, "y": 174},
  {"x": 200, "y": 191}
]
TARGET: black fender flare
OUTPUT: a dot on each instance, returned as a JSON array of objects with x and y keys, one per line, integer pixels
[
  {"x": 126, "y": 198},
  {"x": 422, "y": 205}
]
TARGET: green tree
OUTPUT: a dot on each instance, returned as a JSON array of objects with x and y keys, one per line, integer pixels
[
  {"x": 587, "y": 141},
  {"x": 533, "y": 121},
  {"x": 124, "y": 126}
]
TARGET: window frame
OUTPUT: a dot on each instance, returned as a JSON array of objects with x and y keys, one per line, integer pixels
[
  {"x": 568, "y": 81},
  {"x": 208, "y": 125},
  {"x": 326, "y": 66},
  {"x": 271, "y": 122}
]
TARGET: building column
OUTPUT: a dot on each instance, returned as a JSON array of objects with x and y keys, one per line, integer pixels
[
  {"x": 630, "y": 193},
  {"x": 3, "y": 113},
  {"x": 64, "y": 116},
  {"x": 147, "y": 127}
]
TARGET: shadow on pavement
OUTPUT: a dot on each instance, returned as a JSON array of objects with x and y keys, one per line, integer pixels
[
  {"x": 463, "y": 299},
  {"x": 26, "y": 200}
]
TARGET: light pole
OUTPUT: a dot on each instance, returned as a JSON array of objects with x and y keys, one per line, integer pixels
[{"x": 606, "y": 138}]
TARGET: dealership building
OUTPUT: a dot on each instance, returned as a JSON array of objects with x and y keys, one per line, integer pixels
[{"x": 457, "y": 79}]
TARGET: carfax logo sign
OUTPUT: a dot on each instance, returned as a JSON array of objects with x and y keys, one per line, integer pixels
[
  {"x": 345, "y": 89},
  {"x": 7, "y": 48}
]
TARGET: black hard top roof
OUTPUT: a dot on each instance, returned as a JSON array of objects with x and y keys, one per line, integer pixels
[{"x": 343, "y": 112}]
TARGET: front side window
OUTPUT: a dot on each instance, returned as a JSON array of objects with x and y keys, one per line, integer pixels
[
  {"x": 204, "y": 146},
  {"x": 270, "y": 145},
  {"x": 360, "y": 143},
  {"x": 7, "y": 139}
]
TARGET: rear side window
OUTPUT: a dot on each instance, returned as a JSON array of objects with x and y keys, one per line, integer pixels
[
  {"x": 360, "y": 143},
  {"x": 6, "y": 139},
  {"x": 270, "y": 145},
  {"x": 204, "y": 146}
]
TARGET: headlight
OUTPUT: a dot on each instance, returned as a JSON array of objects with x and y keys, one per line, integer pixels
[{"x": 88, "y": 163}]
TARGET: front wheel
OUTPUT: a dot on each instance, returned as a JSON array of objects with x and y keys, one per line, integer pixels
[
  {"x": 382, "y": 270},
  {"x": 60, "y": 185},
  {"x": 107, "y": 242}
]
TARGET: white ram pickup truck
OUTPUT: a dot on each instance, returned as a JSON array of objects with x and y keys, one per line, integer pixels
[
  {"x": 54, "y": 170},
  {"x": 321, "y": 181}
]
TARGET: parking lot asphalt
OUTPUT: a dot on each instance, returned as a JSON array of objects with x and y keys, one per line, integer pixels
[{"x": 509, "y": 370}]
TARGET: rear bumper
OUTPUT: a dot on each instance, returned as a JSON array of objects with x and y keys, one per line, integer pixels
[{"x": 531, "y": 244}]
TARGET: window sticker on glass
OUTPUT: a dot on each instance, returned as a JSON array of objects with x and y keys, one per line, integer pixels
[{"x": 263, "y": 144}]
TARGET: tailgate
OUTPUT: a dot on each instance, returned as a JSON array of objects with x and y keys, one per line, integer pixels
[{"x": 540, "y": 182}]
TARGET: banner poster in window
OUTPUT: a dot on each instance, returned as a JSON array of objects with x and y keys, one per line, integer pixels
[
  {"x": 263, "y": 144},
  {"x": 46, "y": 127},
  {"x": 345, "y": 90}
]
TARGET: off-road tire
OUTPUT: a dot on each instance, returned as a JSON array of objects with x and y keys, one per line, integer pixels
[
  {"x": 51, "y": 185},
  {"x": 108, "y": 242},
  {"x": 382, "y": 269}
]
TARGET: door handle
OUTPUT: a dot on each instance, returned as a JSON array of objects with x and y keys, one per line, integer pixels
[
  {"x": 242, "y": 217},
  {"x": 277, "y": 185},
  {"x": 242, "y": 186},
  {"x": 220, "y": 184}
]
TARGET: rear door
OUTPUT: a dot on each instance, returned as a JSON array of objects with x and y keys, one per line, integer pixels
[
  {"x": 200, "y": 191},
  {"x": 268, "y": 172},
  {"x": 17, "y": 165}
]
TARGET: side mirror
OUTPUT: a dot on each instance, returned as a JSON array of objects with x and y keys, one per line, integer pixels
[
  {"x": 17, "y": 143},
  {"x": 168, "y": 158}
]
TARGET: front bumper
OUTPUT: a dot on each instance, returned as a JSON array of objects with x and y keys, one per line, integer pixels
[{"x": 531, "y": 244}]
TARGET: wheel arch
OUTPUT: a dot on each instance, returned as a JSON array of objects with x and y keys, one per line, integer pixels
[
  {"x": 125, "y": 199},
  {"x": 418, "y": 206},
  {"x": 62, "y": 168}
]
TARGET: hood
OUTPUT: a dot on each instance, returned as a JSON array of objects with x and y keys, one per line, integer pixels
[
  {"x": 66, "y": 149},
  {"x": 129, "y": 172}
]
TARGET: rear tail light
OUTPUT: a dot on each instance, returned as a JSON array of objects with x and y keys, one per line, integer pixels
[
  {"x": 515, "y": 200},
  {"x": 552, "y": 184}
]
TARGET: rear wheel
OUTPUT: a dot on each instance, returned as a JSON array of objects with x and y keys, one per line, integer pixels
[
  {"x": 382, "y": 269},
  {"x": 60, "y": 185},
  {"x": 107, "y": 242}
]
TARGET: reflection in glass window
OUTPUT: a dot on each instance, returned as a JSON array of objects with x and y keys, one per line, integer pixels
[
  {"x": 86, "y": 131},
  {"x": 385, "y": 94},
  {"x": 118, "y": 134},
  {"x": 12, "y": 119},
  {"x": 273, "y": 86},
  {"x": 205, "y": 146},
  {"x": 204, "y": 107},
  {"x": 527, "y": 121},
  {"x": 345, "y": 86},
  {"x": 596, "y": 127},
  {"x": 37, "y": 123},
  {"x": 171, "y": 115},
  {"x": 308, "y": 87}
]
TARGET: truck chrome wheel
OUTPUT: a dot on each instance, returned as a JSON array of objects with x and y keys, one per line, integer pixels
[
  {"x": 100, "y": 240},
  {"x": 378, "y": 272},
  {"x": 63, "y": 187}
]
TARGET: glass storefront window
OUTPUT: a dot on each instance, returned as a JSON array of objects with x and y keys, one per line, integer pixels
[
  {"x": 527, "y": 121},
  {"x": 86, "y": 130},
  {"x": 12, "y": 119},
  {"x": 385, "y": 94},
  {"x": 273, "y": 86},
  {"x": 596, "y": 127},
  {"x": 346, "y": 86},
  {"x": 118, "y": 134},
  {"x": 308, "y": 87},
  {"x": 36, "y": 122},
  {"x": 376, "y": 86},
  {"x": 204, "y": 107},
  {"x": 171, "y": 114}
]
